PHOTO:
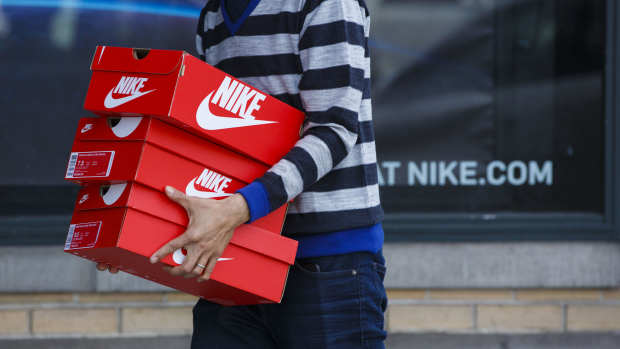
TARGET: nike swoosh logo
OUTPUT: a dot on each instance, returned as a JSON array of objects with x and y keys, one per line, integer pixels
[
  {"x": 178, "y": 257},
  {"x": 86, "y": 128},
  {"x": 111, "y": 102},
  {"x": 209, "y": 121},
  {"x": 84, "y": 198},
  {"x": 191, "y": 191}
]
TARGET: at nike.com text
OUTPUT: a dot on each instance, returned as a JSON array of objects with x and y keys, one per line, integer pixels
[{"x": 465, "y": 173}]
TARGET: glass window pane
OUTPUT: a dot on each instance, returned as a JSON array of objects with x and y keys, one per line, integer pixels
[
  {"x": 490, "y": 106},
  {"x": 45, "y": 53}
]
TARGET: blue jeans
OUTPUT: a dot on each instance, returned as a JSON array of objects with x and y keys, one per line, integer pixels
[{"x": 329, "y": 302}]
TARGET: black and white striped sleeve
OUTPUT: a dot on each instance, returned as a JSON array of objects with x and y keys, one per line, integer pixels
[{"x": 332, "y": 50}]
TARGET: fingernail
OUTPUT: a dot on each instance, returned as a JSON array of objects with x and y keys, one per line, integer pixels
[
  {"x": 168, "y": 189},
  {"x": 153, "y": 260}
]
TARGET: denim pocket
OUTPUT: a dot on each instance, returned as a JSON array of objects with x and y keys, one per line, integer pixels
[
  {"x": 374, "y": 301},
  {"x": 321, "y": 306},
  {"x": 380, "y": 269},
  {"x": 317, "y": 272}
]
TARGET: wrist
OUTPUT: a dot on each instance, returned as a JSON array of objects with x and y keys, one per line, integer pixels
[
  {"x": 239, "y": 208},
  {"x": 257, "y": 200}
]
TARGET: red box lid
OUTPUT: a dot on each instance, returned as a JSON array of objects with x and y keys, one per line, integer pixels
[
  {"x": 98, "y": 196},
  {"x": 181, "y": 89},
  {"x": 172, "y": 139},
  {"x": 136, "y": 60}
]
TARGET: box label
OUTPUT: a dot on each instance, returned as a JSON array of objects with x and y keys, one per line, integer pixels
[
  {"x": 82, "y": 235},
  {"x": 90, "y": 164}
]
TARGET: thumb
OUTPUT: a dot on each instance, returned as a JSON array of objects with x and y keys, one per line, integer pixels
[{"x": 177, "y": 196}]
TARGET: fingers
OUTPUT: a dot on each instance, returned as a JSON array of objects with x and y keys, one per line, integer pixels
[
  {"x": 170, "y": 247},
  {"x": 177, "y": 196},
  {"x": 209, "y": 269},
  {"x": 201, "y": 266},
  {"x": 104, "y": 267},
  {"x": 186, "y": 268}
]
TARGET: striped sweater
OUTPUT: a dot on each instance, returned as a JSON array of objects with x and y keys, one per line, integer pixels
[{"x": 313, "y": 55}]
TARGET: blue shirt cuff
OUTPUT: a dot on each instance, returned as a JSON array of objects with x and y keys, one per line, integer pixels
[{"x": 256, "y": 197}]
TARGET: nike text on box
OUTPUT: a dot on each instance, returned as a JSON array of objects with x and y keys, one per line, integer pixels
[
  {"x": 153, "y": 154},
  {"x": 252, "y": 269},
  {"x": 179, "y": 88}
]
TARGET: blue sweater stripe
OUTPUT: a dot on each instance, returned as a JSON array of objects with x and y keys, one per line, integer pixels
[{"x": 366, "y": 239}]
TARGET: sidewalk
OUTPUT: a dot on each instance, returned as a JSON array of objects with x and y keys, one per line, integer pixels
[{"x": 395, "y": 341}]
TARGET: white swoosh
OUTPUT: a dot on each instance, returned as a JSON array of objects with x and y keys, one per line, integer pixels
[
  {"x": 209, "y": 121},
  {"x": 84, "y": 198},
  {"x": 111, "y": 102},
  {"x": 178, "y": 257},
  {"x": 86, "y": 128},
  {"x": 191, "y": 191}
]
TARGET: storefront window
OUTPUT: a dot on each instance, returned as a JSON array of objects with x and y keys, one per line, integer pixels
[
  {"x": 490, "y": 106},
  {"x": 45, "y": 53},
  {"x": 480, "y": 106}
]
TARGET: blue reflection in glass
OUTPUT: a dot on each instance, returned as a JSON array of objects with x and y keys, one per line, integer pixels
[{"x": 155, "y": 8}]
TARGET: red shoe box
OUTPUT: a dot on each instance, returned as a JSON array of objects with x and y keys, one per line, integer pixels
[
  {"x": 114, "y": 149},
  {"x": 117, "y": 226},
  {"x": 181, "y": 89}
]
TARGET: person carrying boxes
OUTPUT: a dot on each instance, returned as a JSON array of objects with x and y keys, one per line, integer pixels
[{"x": 313, "y": 55}]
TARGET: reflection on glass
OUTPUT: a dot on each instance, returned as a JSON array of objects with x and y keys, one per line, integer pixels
[
  {"x": 45, "y": 59},
  {"x": 5, "y": 26},
  {"x": 63, "y": 25},
  {"x": 472, "y": 98},
  {"x": 490, "y": 106}
]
